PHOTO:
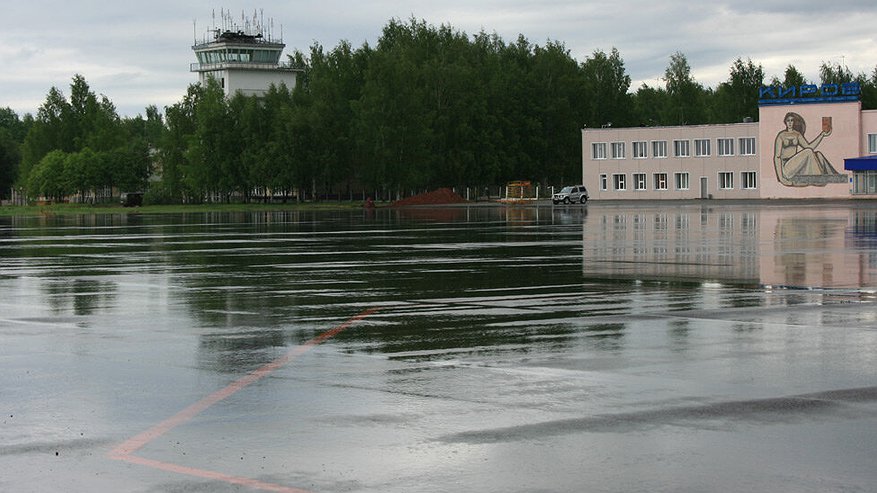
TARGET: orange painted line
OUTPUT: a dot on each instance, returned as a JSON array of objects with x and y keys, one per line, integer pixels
[
  {"x": 126, "y": 449},
  {"x": 205, "y": 474}
]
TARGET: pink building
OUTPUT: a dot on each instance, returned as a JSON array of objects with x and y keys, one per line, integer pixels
[{"x": 809, "y": 142}]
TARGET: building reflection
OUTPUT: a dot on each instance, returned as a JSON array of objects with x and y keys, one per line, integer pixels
[{"x": 778, "y": 246}]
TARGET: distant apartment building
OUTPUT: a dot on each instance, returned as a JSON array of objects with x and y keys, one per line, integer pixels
[{"x": 809, "y": 142}]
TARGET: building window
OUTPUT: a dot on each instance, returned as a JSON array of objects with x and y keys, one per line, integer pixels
[
  {"x": 618, "y": 150},
  {"x": 681, "y": 148},
  {"x": 726, "y": 180},
  {"x": 681, "y": 181},
  {"x": 639, "y": 181},
  {"x": 872, "y": 143},
  {"x": 865, "y": 182},
  {"x": 660, "y": 181},
  {"x": 748, "y": 179},
  {"x": 659, "y": 148},
  {"x": 726, "y": 147},
  {"x": 598, "y": 150},
  {"x": 702, "y": 147},
  {"x": 641, "y": 150},
  {"x": 619, "y": 183},
  {"x": 747, "y": 146},
  {"x": 604, "y": 183}
]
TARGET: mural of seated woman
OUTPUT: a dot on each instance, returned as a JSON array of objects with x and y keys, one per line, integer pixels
[{"x": 795, "y": 157}]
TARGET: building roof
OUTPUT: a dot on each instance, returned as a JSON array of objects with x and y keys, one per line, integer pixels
[{"x": 864, "y": 163}]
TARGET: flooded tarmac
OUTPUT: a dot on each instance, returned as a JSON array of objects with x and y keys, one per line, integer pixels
[{"x": 609, "y": 348}]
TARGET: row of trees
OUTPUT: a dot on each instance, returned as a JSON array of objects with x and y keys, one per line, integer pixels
[
  {"x": 77, "y": 147},
  {"x": 426, "y": 107}
]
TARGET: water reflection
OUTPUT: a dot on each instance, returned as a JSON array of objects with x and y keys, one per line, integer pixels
[
  {"x": 486, "y": 282},
  {"x": 812, "y": 247},
  {"x": 83, "y": 295}
]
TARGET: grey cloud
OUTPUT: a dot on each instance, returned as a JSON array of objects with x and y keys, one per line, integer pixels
[{"x": 139, "y": 54}]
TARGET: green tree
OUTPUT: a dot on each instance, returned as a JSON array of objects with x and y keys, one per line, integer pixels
[
  {"x": 153, "y": 129},
  {"x": 650, "y": 105},
  {"x": 9, "y": 159},
  {"x": 336, "y": 80},
  {"x": 834, "y": 74},
  {"x": 686, "y": 96},
  {"x": 278, "y": 164},
  {"x": 607, "y": 88},
  {"x": 80, "y": 172},
  {"x": 394, "y": 121},
  {"x": 51, "y": 130},
  {"x": 213, "y": 151},
  {"x": 737, "y": 98},
  {"x": 83, "y": 122},
  {"x": 126, "y": 168},
  {"x": 487, "y": 145},
  {"x": 792, "y": 77},
  {"x": 515, "y": 109},
  {"x": 173, "y": 158},
  {"x": 12, "y": 131},
  {"x": 868, "y": 85},
  {"x": 47, "y": 177},
  {"x": 558, "y": 86}
]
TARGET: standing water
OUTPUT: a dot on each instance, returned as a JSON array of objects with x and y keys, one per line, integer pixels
[{"x": 702, "y": 347}]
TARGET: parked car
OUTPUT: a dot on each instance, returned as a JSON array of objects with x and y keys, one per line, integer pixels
[{"x": 577, "y": 194}]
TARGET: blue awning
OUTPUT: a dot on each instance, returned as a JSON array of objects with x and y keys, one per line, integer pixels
[{"x": 864, "y": 163}]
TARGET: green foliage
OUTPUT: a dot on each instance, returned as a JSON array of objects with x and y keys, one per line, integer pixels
[
  {"x": 12, "y": 131},
  {"x": 737, "y": 98},
  {"x": 607, "y": 85},
  {"x": 791, "y": 77},
  {"x": 686, "y": 96},
  {"x": 869, "y": 90},
  {"x": 172, "y": 159},
  {"x": 48, "y": 177},
  {"x": 80, "y": 146},
  {"x": 650, "y": 105},
  {"x": 427, "y": 107},
  {"x": 834, "y": 74}
]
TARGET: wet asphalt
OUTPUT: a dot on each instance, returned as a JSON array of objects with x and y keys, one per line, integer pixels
[{"x": 610, "y": 348}]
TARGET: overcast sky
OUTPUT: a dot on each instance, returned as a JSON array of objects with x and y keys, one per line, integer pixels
[{"x": 138, "y": 53}]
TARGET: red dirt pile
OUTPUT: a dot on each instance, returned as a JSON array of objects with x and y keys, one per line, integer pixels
[{"x": 436, "y": 197}]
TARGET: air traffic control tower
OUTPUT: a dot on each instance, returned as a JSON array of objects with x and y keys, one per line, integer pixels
[{"x": 242, "y": 57}]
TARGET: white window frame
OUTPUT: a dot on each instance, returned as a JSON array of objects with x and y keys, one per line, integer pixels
[
  {"x": 682, "y": 180},
  {"x": 660, "y": 181},
  {"x": 747, "y": 146},
  {"x": 701, "y": 147},
  {"x": 618, "y": 150},
  {"x": 598, "y": 151},
  {"x": 619, "y": 182},
  {"x": 640, "y": 149},
  {"x": 659, "y": 149},
  {"x": 726, "y": 180},
  {"x": 725, "y": 147},
  {"x": 872, "y": 143},
  {"x": 604, "y": 182},
  {"x": 682, "y": 148},
  {"x": 639, "y": 181},
  {"x": 749, "y": 180}
]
